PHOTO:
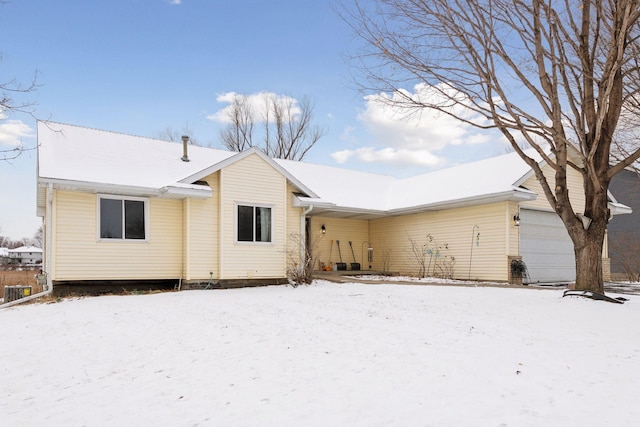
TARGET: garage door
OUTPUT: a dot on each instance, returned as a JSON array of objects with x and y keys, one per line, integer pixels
[{"x": 546, "y": 247}]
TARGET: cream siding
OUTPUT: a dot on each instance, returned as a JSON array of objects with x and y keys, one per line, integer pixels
[
  {"x": 202, "y": 234},
  {"x": 295, "y": 230},
  {"x": 576, "y": 195},
  {"x": 80, "y": 256},
  {"x": 252, "y": 181},
  {"x": 574, "y": 182},
  {"x": 324, "y": 247},
  {"x": 455, "y": 236}
]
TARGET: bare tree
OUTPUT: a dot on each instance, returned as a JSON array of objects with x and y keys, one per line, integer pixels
[
  {"x": 287, "y": 124},
  {"x": 9, "y": 88},
  {"x": 172, "y": 135},
  {"x": 38, "y": 238},
  {"x": 238, "y": 135},
  {"x": 554, "y": 74}
]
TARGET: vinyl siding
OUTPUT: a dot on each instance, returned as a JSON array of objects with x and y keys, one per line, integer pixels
[
  {"x": 251, "y": 181},
  {"x": 295, "y": 240},
  {"x": 202, "y": 234},
  {"x": 325, "y": 247},
  {"x": 453, "y": 232},
  {"x": 574, "y": 182},
  {"x": 576, "y": 195},
  {"x": 80, "y": 256}
]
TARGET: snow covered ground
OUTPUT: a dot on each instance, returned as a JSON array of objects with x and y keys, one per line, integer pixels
[{"x": 320, "y": 355}]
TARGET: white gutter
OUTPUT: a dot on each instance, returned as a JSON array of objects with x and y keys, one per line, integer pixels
[
  {"x": 175, "y": 190},
  {"x": 47, "y": 244},
  {"x": 617, "y": 208},
  {"x": 515, "y": 194}
]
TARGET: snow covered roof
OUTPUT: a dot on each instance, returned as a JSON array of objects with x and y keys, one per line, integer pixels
[
  {"x": 75, "y": 154},
  {"x": 82, "y": 158},
  {"x": 351, "y": 191},
  {"x": 97, "y": 160},
  {"x": 24, "y": 249}
]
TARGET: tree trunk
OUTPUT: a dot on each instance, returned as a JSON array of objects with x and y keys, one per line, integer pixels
[{"x": 588, "y": 252}]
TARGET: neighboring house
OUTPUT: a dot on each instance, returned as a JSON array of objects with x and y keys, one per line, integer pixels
[
  {"x": 29, "y": 255},
  {"x": 4, "y": 255},
  {"x": 624, "y": 230},
  {"x": 121, "y": 209}
]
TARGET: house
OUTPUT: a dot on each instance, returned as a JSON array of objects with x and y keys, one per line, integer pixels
[
  {"x": 25, "y": 255},
  {"x": 624, "y": 230},
  {"x": 125, "y": 210}
]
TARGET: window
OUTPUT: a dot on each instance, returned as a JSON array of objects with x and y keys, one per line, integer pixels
[
  {"x": 254, "y": 224},
  {"x": 122, "y": 219}
]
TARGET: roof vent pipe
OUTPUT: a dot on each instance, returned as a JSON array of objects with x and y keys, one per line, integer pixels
[{"x": 185, "y": 141}]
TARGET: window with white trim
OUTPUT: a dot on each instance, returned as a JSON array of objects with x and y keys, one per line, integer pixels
[
  {"x": 122, "y": 218},
  {"x": 254, "y": 224}
]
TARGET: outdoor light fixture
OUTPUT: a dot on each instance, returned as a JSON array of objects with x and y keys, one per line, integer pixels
[
  {"x": 323, "y": 229},
  {"x": 516, "y": 220}
]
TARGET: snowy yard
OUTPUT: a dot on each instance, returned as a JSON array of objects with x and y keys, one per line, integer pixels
[{"x": 326, "y": 354}]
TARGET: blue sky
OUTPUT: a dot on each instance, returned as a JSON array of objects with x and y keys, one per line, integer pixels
[{"x": 140, "y": 66}]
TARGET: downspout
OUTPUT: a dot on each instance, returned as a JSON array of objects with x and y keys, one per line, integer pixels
[
  {"x": 303, "y": 232},
  {"x": 47, "y": 250}
]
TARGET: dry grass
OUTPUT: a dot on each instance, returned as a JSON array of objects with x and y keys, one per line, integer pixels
[{"x": 18, "y": 278}]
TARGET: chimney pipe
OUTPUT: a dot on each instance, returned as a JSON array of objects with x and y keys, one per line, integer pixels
[{"x": 185, "y": 141}]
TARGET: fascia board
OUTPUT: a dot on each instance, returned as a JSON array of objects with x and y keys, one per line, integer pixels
[
  {"x": 542, "y": 163},
  {"x": 618, "y": 208},
  {"x": 303, "y": 202},
  {"x": 516, "y": 195},
  {"x": 187, "y": 191},
  {"x": 175, "y": 191}
]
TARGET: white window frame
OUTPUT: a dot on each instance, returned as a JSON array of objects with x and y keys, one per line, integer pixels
[
  {"x": 122, "y": 198},
  {"x": 254, "y": 206}
]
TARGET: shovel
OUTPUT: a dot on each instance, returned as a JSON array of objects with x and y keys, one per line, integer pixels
[
  {"x": 340, "y": 265},
  {"x": 354, "y": 265}
]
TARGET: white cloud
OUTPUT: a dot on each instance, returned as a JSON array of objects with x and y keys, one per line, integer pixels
[
  {"x": 12, "y": 132},
  {"x": 175, "y": 1},
  {"x": 257, "y": 101},
  {"x": 402, "y": 137},
  {"x": 348, "y": 134},
  {"x": 389, "y": 155}
]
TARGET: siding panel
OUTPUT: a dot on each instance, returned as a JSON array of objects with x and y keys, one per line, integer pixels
[
  {"x": 203, "y": 234},
  {"x": 454, "y": 235},
  {"x": 325, "y": 248},
  {"x": 574, "y": 182},
  {"x": 295, "y": 237},
  {"x": 80, "y": 256},
  {"x": 252, "y": 181}
]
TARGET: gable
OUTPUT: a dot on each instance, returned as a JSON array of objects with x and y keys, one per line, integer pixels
[
  {"x": 238, "y": 157},
  {"x": 252, "y": 178},
  {"x": 574, "y": 182}
]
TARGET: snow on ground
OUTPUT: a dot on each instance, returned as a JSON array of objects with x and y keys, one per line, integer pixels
[
  {"x": 421, "y": 280},
  {"x": 325, "y": 354}
]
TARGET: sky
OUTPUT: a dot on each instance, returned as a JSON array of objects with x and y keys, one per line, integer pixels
[{"x": 143, "y": 66}]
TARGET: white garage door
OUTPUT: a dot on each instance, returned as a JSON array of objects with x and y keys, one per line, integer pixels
[{"x": 546, "y": 247}]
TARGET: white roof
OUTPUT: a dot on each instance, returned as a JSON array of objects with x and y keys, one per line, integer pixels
[
  {"x": 96, "y": 159},
  {"x": 23, "y": 249},
  {"x": 74, "y": 153},
  {"x": 464, "y": 184}
]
